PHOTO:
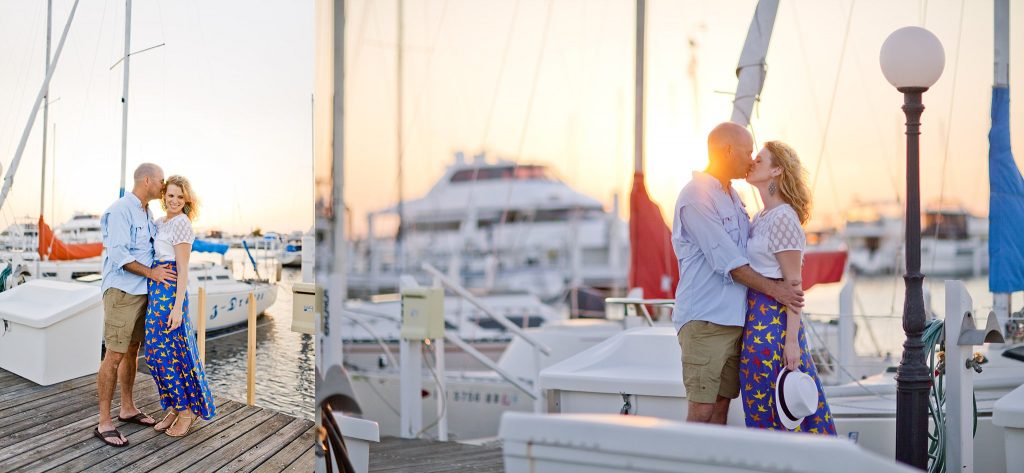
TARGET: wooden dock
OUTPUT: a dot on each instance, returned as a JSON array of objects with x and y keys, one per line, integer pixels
[
  {"x": 395, "y": 455},
  {"x": 50, "y": 428}
]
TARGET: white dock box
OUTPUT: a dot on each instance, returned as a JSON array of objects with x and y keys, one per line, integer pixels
[
  {"x": 50, "y": 331},
  {"x": 1008, "y": 413}
]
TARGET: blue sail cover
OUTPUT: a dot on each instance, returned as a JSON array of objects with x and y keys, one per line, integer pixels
[
  {"x": 204, "y": 246},
  {"x": 1006, "y": 202}
]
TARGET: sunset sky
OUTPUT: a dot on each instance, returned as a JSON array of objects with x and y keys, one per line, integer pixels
[
  {"x": 563, "y": 95},
  {"x": 227, "y": 101}
]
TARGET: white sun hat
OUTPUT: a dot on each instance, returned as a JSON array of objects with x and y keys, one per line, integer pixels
[{"x": 796, "y": 397}]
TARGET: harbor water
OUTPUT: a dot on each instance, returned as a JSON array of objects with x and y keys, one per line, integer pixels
[
  {"x": 284, "y": 359},
  {"x": 878, "y": 308}
]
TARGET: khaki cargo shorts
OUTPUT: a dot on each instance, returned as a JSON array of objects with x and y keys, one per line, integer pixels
[
  {"x": 124, "y": 319},
  {"x": 711, "y": 360}
]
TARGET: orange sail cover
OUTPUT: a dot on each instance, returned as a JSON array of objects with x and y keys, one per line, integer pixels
[
  {"x": 652, "y": 265},
  {"x": 51, "y": 248}
]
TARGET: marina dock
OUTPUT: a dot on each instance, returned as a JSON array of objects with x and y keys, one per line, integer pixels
[
  {"x": 50, "y": 428},
  {"x": 397, "y": 455}
]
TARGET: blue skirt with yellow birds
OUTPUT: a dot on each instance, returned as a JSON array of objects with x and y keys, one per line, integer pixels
[
  {"x": 761, "y": 359},
  {"x": 172, "y": 356}
]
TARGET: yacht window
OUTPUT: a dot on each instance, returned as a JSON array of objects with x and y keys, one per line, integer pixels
[
  {"x": 527, "y": 172},
  {"x": 1015, "y": 353},
  {"x": 490, "y": 323},
  {"x": 222, "y": 277}
]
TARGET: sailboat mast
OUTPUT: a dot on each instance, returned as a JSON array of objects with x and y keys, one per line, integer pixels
[
  {"x": 638, "y": 115},
  {"x": 751, "y": 69},
  {"x": 1001, "y": 51},
  {"x": 1002, "y": 43},
  {"x": 9, "y": 177},
  {"x": 124, "y": 92},
  {"x": 46, "y": 104},
  {"x": 399, "y": 236}
]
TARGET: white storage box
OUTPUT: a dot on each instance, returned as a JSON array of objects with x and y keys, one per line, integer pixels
[
  {"x": 1009, "y": 414},
  {"x": 50, "y": 331}
]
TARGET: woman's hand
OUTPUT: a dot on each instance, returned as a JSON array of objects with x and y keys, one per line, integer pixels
[
  {"x": 791, "y": 353},
  {"x": 175, "y": 318}
]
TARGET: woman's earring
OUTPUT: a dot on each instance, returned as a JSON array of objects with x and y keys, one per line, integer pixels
[{"x": 772, "y": 188}]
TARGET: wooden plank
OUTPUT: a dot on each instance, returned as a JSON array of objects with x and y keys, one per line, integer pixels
[
  {"x": 47, "y": 406},
  {"x": 162, "y": 447},
  {"x": 286, "y": 456},
  {"x": 304, "y": 464},
  {"x": 56, "y": 447},
  {"x": 19, "y": 397},
  {"x": 91, "y": 451},
  {"x": 231, "y": 450},
  {"x": 29, "y": 428},
  {"x": 187, "y": 449},
  {"x": 5, "y": 375},
  {"x": 393, "y": 455},
  {"x": 262, "y": 451},
  {"x": 14, "y": 385}
]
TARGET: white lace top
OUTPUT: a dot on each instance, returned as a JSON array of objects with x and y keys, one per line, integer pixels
[
  {"x": 169, "y": 233},
  {"x": 773, "y": 231}
]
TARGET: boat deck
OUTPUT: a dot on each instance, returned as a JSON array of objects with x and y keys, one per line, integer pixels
[
  {"x": 396, "y": 455},
  {"x": 50, "y": 428}
]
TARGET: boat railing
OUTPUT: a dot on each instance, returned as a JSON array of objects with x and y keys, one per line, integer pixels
[
  {"x": 638, "y": 306},
  {"x": 533, "y": 391},
  {"x": 469, "y": 297}
]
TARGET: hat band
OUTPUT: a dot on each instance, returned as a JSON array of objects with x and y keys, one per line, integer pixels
[{"x": 782, "y": 396}]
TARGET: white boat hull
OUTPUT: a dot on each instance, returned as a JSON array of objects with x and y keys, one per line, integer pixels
[{"x": 227, "y": 304}]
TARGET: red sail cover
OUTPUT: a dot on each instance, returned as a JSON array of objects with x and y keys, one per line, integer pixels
[
  {"x": 652, "y": 264},
  {"x": 823, "y": 267},
  {"x": 58, "y": 250}
]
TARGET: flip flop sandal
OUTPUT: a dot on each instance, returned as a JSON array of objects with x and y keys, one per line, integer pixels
[
  {"x": 168, "y": 425},
  {"x": 109, "y": 434},
  {"x": 138, "y": 419},
  {"x": 189, "y": 429}
]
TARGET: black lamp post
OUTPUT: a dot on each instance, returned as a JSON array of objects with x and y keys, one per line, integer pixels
[{"x": 912, "y": 60}]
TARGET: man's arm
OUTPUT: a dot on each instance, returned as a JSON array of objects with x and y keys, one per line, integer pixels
[
  {"x": 786, "y": 293},
  {"x": 160, "y": 274}
]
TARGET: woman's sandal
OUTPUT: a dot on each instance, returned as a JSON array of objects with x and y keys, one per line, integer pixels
[
  {"x": 189, "y": 429},
  {"x": 175, "y": 415}
]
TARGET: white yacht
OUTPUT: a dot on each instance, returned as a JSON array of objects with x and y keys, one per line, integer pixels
[
  {"x": 497, "y": 225},
  {"x": 20, "y": 236},
  {"x": 82, "y": 228},
  {"x": 953, "y": 242},
  {"x": 874, "y": 235}
]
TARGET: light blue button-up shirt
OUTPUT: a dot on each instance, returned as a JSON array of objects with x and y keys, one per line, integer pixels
[
  {"x": 710, "y": 229},
  {"x": 128, "y": 232}
]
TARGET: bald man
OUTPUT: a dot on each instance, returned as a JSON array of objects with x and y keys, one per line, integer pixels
[
  {"x": 709, "y": 235},
  {"x": 128, "y": 231}
]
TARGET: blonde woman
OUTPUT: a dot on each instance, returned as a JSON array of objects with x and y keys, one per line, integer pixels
[
  {"x": 773, "y": 338},
  {"x": 170, "y": 344}
]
